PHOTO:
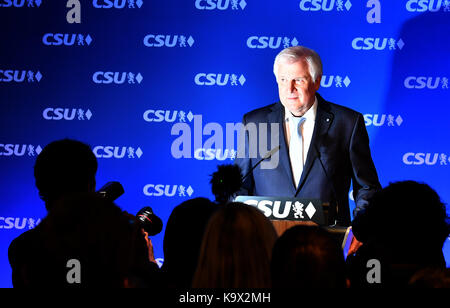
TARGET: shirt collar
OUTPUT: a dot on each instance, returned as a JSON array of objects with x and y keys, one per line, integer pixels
[{"x": 309, "y": 115}]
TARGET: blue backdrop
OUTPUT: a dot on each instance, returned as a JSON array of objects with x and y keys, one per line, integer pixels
[{"x": 123, "y": 77}]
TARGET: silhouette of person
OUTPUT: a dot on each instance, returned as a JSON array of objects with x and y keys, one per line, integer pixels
[
  {"x": 236, "y": 249},
  {"x": 93, "y": 231},
  {"x": 182, "y": 240},
  {"x": 63, "y": 170},
  {"x": 404, "y": 228},
  {"x": 307, "y": 257},
  {"x": 63, "y": 167}
]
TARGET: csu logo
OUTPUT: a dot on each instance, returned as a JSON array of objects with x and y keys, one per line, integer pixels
[
  {"x": 117, "y": 152},
  {"x": 20, "y": 3},
  {"x": 66, "y": 114},
  {"x": 427, "y": 5},
  {"x": 167, "y": 116},
  {"x": 324, "y": 5},
  {"x": 220, "y": 4},
  {"x": 159, "y": 190},
  {"x": 429, "y": 159},
  {"x": 59, "y": 39},
  {"x": 339, "y": 81},
  {"x": 262, "y": 42},
  {"x": 203, "y": 79},
  {"x": 153, "y": 40},
  {"x": 117, "y": 4},
  {"x": 117, "y": 77},
  {"x": 431, "y": 83},
  {"x": 18, "y": 223},
  {"x": 214, "y": 154},
  {"x": 380, "y": 120},
  {"x": 19, "y": 150},
  {"x": 283, "y": 209},
  {"x": 370, "y": 43},
  {"x": 20, "y": 76}
]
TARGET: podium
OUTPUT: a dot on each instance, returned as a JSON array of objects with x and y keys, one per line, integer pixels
[{"x": 286, "y": 213}]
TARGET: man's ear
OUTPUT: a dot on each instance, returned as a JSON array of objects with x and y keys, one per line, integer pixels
[{"x": 317, "y": 83}]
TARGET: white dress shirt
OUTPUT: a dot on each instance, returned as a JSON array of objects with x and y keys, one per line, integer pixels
[{"x": 307, "y": 129}]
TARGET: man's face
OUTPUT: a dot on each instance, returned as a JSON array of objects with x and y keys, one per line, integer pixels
[{"x": 296, "y": 87}]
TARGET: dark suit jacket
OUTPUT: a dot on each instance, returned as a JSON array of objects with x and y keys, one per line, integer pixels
[{"x": 339, "y": 145}]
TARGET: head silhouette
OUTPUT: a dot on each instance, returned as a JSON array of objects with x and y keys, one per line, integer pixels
[
  {"x": 64, "y": 166},
  {"x": 408, "y": 219},
  {"x": 236, "y": 249},
  {"x": 307, "y": 256},
  {"x": 182, "y": 240},
  {"x": 404, "y": 227}
]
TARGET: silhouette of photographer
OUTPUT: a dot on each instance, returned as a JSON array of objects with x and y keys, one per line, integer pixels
[{"x": 80, "y": 225}]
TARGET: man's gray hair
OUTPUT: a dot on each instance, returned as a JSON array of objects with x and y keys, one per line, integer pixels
[{"x": 297, "y": 53}]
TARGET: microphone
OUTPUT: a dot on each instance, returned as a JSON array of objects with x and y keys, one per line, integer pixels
[
  {"x": 267, "y": 156},
  {"x": 111, "y": 191},
  {"x": 228, "y": 179},
  {"x": 226, "y": 182},
  {"x": 330, "y": 182},
  {"x": 151, "y": 223}
]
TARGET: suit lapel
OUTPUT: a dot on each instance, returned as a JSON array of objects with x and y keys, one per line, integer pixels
[
  {"x": 277, "y": 116},
  {"x": 324, "y": 118}
]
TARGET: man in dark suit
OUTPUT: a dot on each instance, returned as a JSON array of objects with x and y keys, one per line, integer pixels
[{"x": 323, "y": 147}]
